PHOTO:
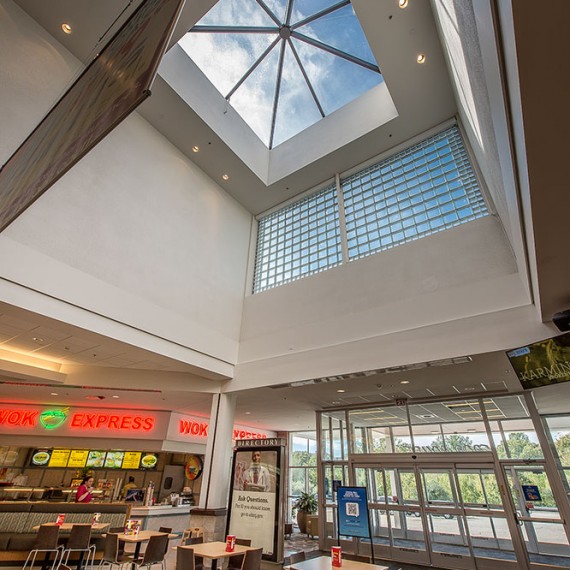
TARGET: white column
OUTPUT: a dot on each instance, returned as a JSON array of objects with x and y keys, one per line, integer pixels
[{"x": 217, "y": 464}]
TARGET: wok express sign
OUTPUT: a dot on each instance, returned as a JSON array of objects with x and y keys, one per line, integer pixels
[{"x": 87, "y": 421}]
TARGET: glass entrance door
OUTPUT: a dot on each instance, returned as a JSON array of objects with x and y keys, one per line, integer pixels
[
  {"x": 541, "y": 526},
  {"x": 449, "y": 516}
]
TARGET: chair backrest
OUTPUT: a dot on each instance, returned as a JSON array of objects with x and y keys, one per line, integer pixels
[
  {"x": 357, "y": 557},
  {"x": 297, "y": 557},
  {"x": 184, "y": 559},
  {"x": 156, "y": 549},
  {"x": 252, "y": 559},
  {"x": 197, "y": 531},
  {"x": 117, "y": 529},
  {"x": 47, "y": 537},
  {"x": 243, "y": 541},
  {"x": 166, "y": 529},
  {"x": 195, "y": 540},
  {"x": 79, "y": 537},
  {"x": 111, "y": 547}
]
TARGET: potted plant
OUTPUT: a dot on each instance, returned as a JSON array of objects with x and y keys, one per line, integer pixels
[{"x": 306, "y": 504}]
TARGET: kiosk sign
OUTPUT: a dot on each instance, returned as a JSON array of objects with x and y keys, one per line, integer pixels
[{"x": 353, "y": 512}]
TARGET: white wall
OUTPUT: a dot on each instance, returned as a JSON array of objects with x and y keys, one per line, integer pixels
[
  {"x": 135, "y": 231},
  {"x": 344, "y": 320}
]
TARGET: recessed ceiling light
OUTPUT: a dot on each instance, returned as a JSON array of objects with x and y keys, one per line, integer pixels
[
  {"x": 404, "y": 381},
  {"x": 37, "y": 339},
  {"x": 54, "y": 394},
  {"x": 247, "y": 413},
  {"x": 225, "y": 176},
  {"x": 66, "y": 28},
  {"x": 421, "y": 58},
  {"x": 341, "y": 391},
  {"x": 402, "y": 3},
  {"x": 115, "y": 396},
  {"x": 195, "y": 148}
]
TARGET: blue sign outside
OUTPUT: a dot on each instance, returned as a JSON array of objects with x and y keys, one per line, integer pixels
[
  {"x": 531, "y": 493},
  {"x": 353, "y": 512}
]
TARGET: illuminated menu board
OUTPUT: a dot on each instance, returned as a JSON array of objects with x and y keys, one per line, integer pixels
[
  {"x": 59, "y": 458},
  {"x": 95, "y": 458},
  {"x": 78, "y": 458},
  {"x": 114, "y": 459},
  {"x": 132, "y": 459}
]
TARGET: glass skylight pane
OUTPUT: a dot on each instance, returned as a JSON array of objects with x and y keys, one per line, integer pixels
[
  {"x": 254, "y": 99},
  {"x": 304, "y": 8},
  {"x": 225, "y": 58},
  {"x": 236, "y": 13},
  {"x": 297, "y": 109},
  {"x": 340, "y": 29},
  {"x": 335, "y": 80},
  {"x": 278, "y": 7}
]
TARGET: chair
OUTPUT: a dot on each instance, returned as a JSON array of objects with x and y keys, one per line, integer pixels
[
  {"x": 79, "y": 541},
  {"x": 184, "y": 559},
  {"x": 252, "y": 560},
  {"x": 155, "y": 552},
  {"x": 236, "y": 562},
  {"x": 296, "y": 557},
  {"x": 111, "y": 555},
  {"x": 165, "y": 529},
  {"x": 119, "y": 530},
  {"x": 357, "y": 557},
  {"x": 46, "y": 542},
  {"x": 198, "y": 560}
]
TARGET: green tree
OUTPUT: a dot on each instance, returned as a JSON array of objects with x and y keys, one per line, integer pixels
[
  {"x": 563, "y": 448},
  {"x": 520, "y": 446}
]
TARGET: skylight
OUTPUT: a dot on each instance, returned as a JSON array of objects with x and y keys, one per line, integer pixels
[{"x": 283, "y": 64}]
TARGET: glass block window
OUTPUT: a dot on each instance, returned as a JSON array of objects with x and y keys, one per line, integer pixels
[
  {"x": 422, "y": 190},
  {"x": 298, "y": 240}
]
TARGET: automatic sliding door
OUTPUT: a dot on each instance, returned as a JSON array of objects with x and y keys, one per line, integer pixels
[{"x": 542, "y": 528}]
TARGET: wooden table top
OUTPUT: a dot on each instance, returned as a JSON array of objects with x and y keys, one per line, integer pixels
[
  {"x": 65, "y": 527},
  {"x": 142, "y": 536},
  {"x": 325, "y": 563},
  {"x": 216, "y": 550}
]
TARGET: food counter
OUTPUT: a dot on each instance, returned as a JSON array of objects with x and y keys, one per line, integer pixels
[{"x": 153, "y": 517}]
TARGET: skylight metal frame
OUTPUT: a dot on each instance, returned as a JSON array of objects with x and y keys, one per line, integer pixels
[{"x": 284, "y": 32}]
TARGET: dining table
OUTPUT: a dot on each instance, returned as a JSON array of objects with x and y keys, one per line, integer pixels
[
  {"x": 217, "y": 551},
  {"x": 139, "y": 539},
  {"x": 325, "y": 563}
]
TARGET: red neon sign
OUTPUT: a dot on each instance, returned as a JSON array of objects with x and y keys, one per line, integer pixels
[
  {"x": 200, "y": 429},
  {"x": 14, "y": 417},
  {"x": 125, "y": 422}
]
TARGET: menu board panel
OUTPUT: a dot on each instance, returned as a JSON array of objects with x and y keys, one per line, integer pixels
[
  {"x": 149, "y": 461},
  {"x": 95, "y": 458},
  {"x": 41, "y": 457},
  {"x": 114, "y": 459},
  {"x": 59, "y": 457},
  {"x": 132, "y": 459},
  {"x": 78, "y": 458}
]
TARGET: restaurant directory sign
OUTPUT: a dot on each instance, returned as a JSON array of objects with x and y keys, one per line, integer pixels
[{"x": 255, "y": 495}]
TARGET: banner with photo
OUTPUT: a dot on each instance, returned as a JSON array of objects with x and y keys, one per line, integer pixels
[{"x": 255, "y": 497}]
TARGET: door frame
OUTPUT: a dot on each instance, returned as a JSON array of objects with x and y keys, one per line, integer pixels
[{"x": 453, "y": 461}]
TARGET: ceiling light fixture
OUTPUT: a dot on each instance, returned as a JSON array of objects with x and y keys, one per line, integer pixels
[
  {"x": 195, "y": 148},
  {"x": 66, "y": 28},
  {"x": 402, "y": 3},
  {"x": 54, "y": 394},
  {"x": 421, "y": 58},
  {"x": 404, "y": 381},
  {"x": 341, "y": 391},
  {"x": 115, "y": 396},
  {"x": 225, "y": 176},
  {"x": 247, "y": 413},
  {"x": 37, "y": 339}
]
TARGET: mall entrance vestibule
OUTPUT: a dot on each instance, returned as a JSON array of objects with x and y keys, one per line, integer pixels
[{"x": 453, "y": 490}]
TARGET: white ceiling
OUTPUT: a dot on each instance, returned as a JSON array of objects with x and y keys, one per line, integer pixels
[{"x": 424, "y": 98}]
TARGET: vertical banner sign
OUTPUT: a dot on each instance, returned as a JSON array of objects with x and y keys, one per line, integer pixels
[
  {"x": 109, "y": 89},
  {"x": 353, "y": 512},
  {"x": 255, "y": 496}
]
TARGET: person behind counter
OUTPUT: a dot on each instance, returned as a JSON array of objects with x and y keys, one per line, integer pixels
[
  {"x": 85, "y": 490},
  {"x": 130, "y": 485}
]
